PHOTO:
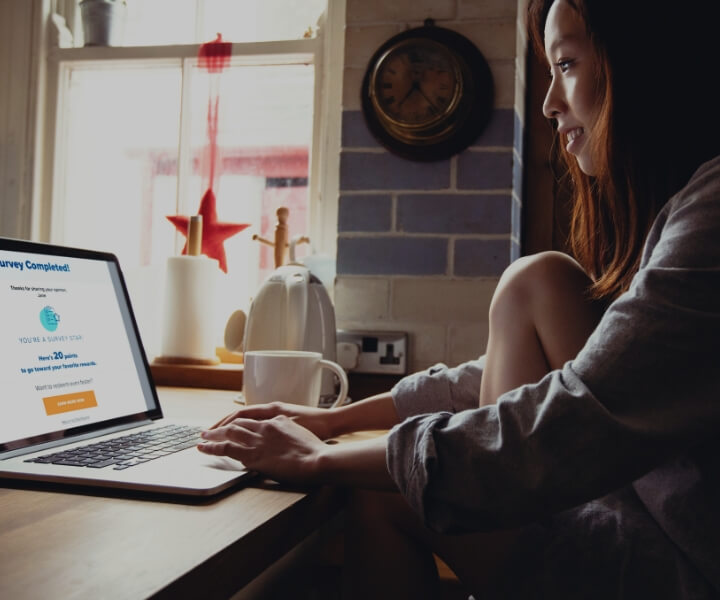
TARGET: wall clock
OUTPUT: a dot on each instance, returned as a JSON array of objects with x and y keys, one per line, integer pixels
[{"x": 427, "y": 93}]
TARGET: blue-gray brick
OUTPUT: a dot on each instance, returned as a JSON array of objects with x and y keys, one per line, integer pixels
[
  {"x": 499, "y": 130},
  {"x": 481, "y": 258},
  {"x": 454, "y": 213},
  {"x": 391, "y": 255},
  {"x": 484, "y": 170},
  {"x": 355, "y": 133},
  {"x": 365, "y": 213},
  {"x": 384, "y": 171}
]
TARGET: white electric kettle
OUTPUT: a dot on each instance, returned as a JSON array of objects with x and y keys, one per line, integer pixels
[{"x": 292, "y": 311}]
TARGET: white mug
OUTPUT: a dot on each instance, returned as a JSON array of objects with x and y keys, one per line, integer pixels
[{"x": 293, "y": 376}]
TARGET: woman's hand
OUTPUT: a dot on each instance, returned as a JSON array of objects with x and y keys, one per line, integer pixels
[
  {"x": 277, "y": 447},
  {"x": 283, "y": 450},
  {"x": 285, "y": 441},
  {"x": 316, "y": 420}
]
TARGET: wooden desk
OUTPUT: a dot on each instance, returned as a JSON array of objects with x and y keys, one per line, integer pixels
[{"x": 61, "y": 544}]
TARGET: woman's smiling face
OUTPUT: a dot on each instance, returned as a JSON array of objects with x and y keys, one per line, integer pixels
[{"x": 572, "y": 98}]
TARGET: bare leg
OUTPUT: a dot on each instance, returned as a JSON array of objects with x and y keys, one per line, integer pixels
[
  {"x": 540, "y": 317},
  {"x": 380, "y": 559},
  {"x": 388, "y": 551}
]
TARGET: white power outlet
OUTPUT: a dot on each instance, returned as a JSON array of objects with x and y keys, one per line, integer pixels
[{"x": 373, "y": 351}]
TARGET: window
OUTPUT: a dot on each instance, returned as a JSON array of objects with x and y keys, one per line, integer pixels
[{"x": 131, "y": 139}]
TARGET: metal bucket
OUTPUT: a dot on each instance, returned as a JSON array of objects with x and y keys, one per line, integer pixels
[{"x": 103, "y": 22}]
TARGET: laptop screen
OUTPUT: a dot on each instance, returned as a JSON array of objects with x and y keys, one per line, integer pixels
[{"x": 71, "y": 357}]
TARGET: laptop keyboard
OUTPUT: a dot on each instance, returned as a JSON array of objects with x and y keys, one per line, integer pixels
[{"x": 128, "y": 450}]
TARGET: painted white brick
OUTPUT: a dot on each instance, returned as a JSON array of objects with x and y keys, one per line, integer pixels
[
  {"x": 520, "y": 76},
  {"x": 522, "y": 7},
  {"x": 486, "y": 9},
  {"x": 520, "y": 106},
  {"x": 495, "y": 39},
  {"x": 361, "y": 42},
  {"x": 520, "y": 101},
  {"x": 446, "y": 319},
  {"x": 352, "y": 83},
  {"x": 503, "y": 73},
  {"x": 361, "y": 299},
  {"x": 441, "y": 300},
  {"x": 466, "y": 341},
  {"x": 399, "y": 10},
  {"x": 521, "y": 42},
  {"x": 427, "y": 345}
]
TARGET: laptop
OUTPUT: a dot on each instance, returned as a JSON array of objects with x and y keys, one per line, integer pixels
[{"x": 77, "y": 398}]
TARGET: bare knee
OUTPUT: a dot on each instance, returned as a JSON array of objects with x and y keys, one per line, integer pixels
[
  {"x": 536, "y": 279},
  {"x": 542, "y": 269},
  {"x": 546, "y": 294}
]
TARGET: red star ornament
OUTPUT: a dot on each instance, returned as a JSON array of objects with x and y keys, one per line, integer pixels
[{"x": 214, "y": 232}]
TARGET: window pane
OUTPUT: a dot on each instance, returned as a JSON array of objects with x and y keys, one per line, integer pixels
[
  {"x": 160, "y": 22},
  {"x": 120, "y": 179},
  {"x": 168, "y": 22},
  {"x": 264, "y": 138},
  {"x": 120, "y": 167},
  {"x": 260, "y": 20},
  {"x": 122, "y": 134}
]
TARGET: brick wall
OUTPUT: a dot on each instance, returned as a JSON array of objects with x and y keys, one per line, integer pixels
[{"x": 421, "y": 245}]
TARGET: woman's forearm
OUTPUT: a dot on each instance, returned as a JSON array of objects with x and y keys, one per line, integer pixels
[
  {"x": 281, "y": 448},
  {"x": 375, "y": 412},
  {"x": 358, "y": 464}
]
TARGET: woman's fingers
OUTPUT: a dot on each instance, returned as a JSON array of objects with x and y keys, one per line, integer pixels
[
  {"x": 225, "y": 448},
  {"x": 238, "y": 431},
  {"x": 257, "y": 412},
  {"x": 278, "y": 447},
  {"x": 237, "y": 439}
]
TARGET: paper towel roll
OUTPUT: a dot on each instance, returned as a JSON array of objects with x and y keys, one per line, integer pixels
[{"x": 190, "y": 289}]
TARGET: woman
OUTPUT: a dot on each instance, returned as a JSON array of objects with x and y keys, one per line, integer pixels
[{"x": 591, "y": 467}]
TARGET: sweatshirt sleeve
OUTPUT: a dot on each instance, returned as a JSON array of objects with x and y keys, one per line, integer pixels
[
  {"x": 439, "y": 388},
  {"x": 644, "y": 388}
]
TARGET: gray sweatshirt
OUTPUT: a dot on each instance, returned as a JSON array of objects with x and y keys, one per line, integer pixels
[{"x": 640, "y": 405}]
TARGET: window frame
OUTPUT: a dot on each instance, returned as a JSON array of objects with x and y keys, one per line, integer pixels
[{"x": 324, "y": 51}]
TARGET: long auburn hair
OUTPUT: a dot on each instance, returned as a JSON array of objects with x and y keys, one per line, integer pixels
[{"x": 650, "y": 61}]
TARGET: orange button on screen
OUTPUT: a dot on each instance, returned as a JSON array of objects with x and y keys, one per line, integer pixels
[{"x": 67, "y": 402}]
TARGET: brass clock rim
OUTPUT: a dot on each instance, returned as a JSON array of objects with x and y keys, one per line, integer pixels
[
  {"x": 443, "y": 135},
  {"x": 410, "y": 137},
  {"x": 448, "y": 112}
]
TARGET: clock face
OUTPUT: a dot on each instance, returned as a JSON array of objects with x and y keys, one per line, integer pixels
[
  {"x": 416, "y": 82},
  {"x": 427, "y": 93}
]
